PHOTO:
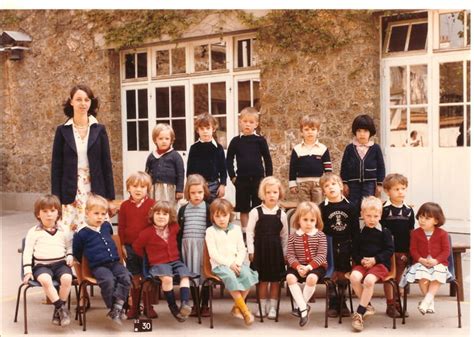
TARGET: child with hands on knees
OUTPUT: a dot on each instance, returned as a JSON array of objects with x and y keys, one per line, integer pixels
[
  {"x": 47, "y": 255},
  {"x": 307, "y": 256},
  {"x": 371, "y": 254},
  {"x": 227, "y": 252},
  {"x": 132, "y": 219},
  {"x": 165, "y": 165},
  {"x": 267, "y": 240},
  {"x": 429, "y": 249}
]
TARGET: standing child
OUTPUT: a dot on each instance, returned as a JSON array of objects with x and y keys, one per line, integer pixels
[
  {"x": 47, "y": 256},
  {"x": 207, "y": 158},
  {"x": 371, "y": 254},
  {"x": 248, "y": 149},
  {"x": 267, "y": 240},
  {"x": 429, "y": 249},
  {"x": 193, "y": 220},
  {"x": 341, "y": 222},
  {"x": 132, "y": 219},
  {"x": 307, "y": 256},
  {"x": 309, "y": 160},
  {"x": 399, "y": 218},
  {"x": 165, "y": 166},
  {"x": 160, "y": 244},
  {"x": 227, "y": 252},
  {"x": 362, "y": 166},
  {"x": 95, "y": 242}
]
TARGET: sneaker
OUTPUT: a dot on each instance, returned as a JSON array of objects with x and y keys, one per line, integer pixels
[
  {"x": 423, "y": 306},
  {"x": 185, "y": 310},
  {"x": 64, "y": 316},
  {"x": 430, "y": 309},
  {"x": 236, "y": 312},
  {"x": 272, "y": 313},
  {"x": 357, "y": 322},
  {"x": 114, "y": 315},
  {"x": 345, "y": 312},
  {"x": 264, "y": 312},
  {"x": 176, "y": 314},
  {"x": 56, "y": 319},
  {"x": 370, "y": 311},
  {"x": 392, "y": 311}
]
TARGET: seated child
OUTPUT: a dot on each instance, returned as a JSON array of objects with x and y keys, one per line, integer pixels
[
  {"x": 307, "y": 253},
  {"x": 95, "y": 242},
  {"x": 159, "y": 242},
  {"x": 371, "y": 254},
  {"x": 47, "y": 256},
  {"x": 227, "y": 252}
]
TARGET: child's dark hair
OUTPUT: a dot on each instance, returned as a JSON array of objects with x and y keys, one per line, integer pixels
[
  {"x": 164, "y": 206},
  {"x": 205, "y": 120},
  {"x": 67, "y": 107},
  {"x": 48, "y": 201},
  {"x": 432, "y": 210},
  {"x": 221, "y": 205},
  {"x": 364, "y": 122}
]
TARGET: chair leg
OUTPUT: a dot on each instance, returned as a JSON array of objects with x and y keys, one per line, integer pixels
[
  {"x": 456, "y": 286},
  {"x": 210, "y": 306},
  {"x": 349, "y": 291},
  {"x": 279, "y": 298},
  {"x": 340, "y": 294},
  {"x": 404, "y": 307},
  {"x": 259, "y": 302},
  {"x": 18, "y": 302},
  {"x": 197, "y": 305},
  {"x": 394, "y": 291},
  {"x": 25, "y": 311},
  {"x": 326, "y": 282}
]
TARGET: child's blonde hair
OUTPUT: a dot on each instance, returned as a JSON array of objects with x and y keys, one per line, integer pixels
[
  {"x": 371, "y": 202},
  {"x": 139, "y": 178},
  {"x": 205, "y": 120},
  {"x": 164, "y": 206},
  {"x": 432, "y": 209},
  {"x": 48, "y": 201},
  {"x": 249, "y": 111},
  {"x": 270, "y": 180},
  {"x": 310, "y": 120},
  {"x": 160, "y": 127},
  {"x": 195, "y": 179},
  {"x": 393, "y": 179},
  {"x": 221, "y": 206},
  {"x": 328, "y": 177},
  {"x": 95, "y": 200},
  {"x": 304, "y": 208}
]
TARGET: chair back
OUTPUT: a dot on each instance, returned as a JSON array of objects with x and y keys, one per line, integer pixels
[
  {"x": 451, "y": 261},
  {"x": 392, "y": 273},
  {"x": 22, "y": 274},
  {"x": 206, "y": 265},
  {"x": 329, "y": 258}
]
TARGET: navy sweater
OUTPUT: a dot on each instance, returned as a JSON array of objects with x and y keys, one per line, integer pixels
[
  {"x": 304, "y": 165},
  {"x": 168, "y": 169},
  {"x": 248, "y": 152},
  {"x": 340, "y": 220},
  {"x": 354, "y": 168},
  {"x": 400, "y": 221},
  {"x": 207, "y": 160},
  {"x": 373, "y": 242},
  {"x": 98, "y": 247}
]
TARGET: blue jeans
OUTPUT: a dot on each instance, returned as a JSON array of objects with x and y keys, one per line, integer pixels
[
  {"x": 359, "y": 190},
  {"x": 114, "y": 282}
]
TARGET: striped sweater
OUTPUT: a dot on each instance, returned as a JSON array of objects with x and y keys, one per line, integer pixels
[
  {"x": 304, "y": 249},
  {"x": 309, "y": 162}
]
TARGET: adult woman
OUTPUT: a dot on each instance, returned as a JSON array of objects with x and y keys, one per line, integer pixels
[{"x": 81, "y": 161}]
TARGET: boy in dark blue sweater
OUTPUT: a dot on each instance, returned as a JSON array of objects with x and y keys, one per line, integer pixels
[
  {"x": 207, "y": 158},
  {"x": 248, "y": 149},
  {"x": 95, "y": 242}
]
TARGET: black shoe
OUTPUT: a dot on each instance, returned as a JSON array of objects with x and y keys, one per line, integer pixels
[
  {"x": 304, "y": 320},
  {"x": 56, "y": 320},
  {"x": 114, "y": 315},
  {"x": 333, "y": 312},
  {"x": 64, "y": 316},
  {"x": 176, "y": 314},
  {"x": 295, "y": 312}
]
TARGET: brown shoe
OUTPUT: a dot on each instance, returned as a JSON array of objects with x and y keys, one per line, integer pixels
[
  {"x": 357, "y": 322},
  {"x": 148, "y": 310},
  {"x": 205, "y": 311},
  {"x": 392, "y": 311}
]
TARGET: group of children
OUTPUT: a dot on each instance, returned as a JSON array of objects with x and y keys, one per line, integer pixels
[{"x": 174, "y": 242}]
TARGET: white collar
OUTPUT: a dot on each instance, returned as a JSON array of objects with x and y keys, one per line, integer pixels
[
  {"x": 213, "y": 141},
  {"x": 326, "y": 200},
  {"x": 91, "y": 119},
  {"x": 300, "y": 232},
  {"x": 158, "y": 156},
  {"x": 253, "y": 134},
  {"x": 95, "y": 229},
  {"x": 389, "y": 203},
  {"x": 377, "y": 226},
  {"x": 316, "y": 143},
  {"x": 273, "y": 210},
  {"x": 356, "y": 143}
]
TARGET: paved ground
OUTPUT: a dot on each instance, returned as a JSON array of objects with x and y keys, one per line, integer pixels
[{"x": 14, "y": 226}]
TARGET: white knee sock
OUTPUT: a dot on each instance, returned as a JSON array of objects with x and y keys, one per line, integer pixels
[
  {"x": 298, "y": 297},
  {"x": 308, "y": 291},
  {"x": 429, "y": 297},
  {"x": 273, "y": 303}
]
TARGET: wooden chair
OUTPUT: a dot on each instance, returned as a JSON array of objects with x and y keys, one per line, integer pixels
[{"x": 452, "y": 281}]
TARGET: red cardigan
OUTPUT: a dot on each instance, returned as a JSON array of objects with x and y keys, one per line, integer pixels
[
  {"x": 437, "y": 246},
  {"x": 158, "y": 250},
  {"x": 132, "y": 219}
]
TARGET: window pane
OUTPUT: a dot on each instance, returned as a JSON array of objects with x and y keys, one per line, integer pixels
[
  {"x": 244, "y": 94},
  {"x": 143, "y": 135},
  {"x": 218, "y": 56},
  {"x": 419, "y": 84},
  {"x": 221, "y": 133},
  {"x": 398, "y": 38},
  {"x": 177, "y": 101},
  {"x": 468, "y": 72},
  {"x": 162, "y": 102},
  {"x": 178, "y": 59},
  {"x": 143, "y": 103},
  {"x": 162, "y": 62},
  {"x": 201, "y": 98},
  {"x": 218, "y": 98},
  {"x": 130, "y": 66},
  {"x": 256, "y": 95},
  {"x": 398, "y": 127},
  {"x": 418, "y": 36},
  {"x": 450, "y": 120},
  {"x": 461, "y": 139},
  {"x": 451, "y": 30},
  {"x": 179, "y": 127},
  {"x": 132, "y": 136},
  {"x": 418, "y": 127},
  {"x": 244, "y": 53},
  {"x": 131, "y": 104},
  {"x": 142, "y": 65},
  {"x": 201, "y": 58},
  {"x": 450, "y": 82},
  {"x": 398, "y": 91}
]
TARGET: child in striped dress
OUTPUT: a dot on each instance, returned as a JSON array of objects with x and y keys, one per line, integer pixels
[{"x": 306, "y": 256}]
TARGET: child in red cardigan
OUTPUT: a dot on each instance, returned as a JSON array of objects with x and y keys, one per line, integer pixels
[
  {"x": 160, "y": 244},
  {"x": 132, "y": 219},
  {"x": 429, "y": 249}
]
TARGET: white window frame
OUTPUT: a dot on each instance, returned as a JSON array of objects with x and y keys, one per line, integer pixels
[
  {"x": 410, "y": 24},
  {"x": 436, "y": 47},
  {"x": 135, "y": 52},
  {"x": 253, "y": 57}
]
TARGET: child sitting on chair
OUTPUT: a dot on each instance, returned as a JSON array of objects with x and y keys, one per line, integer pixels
[{"x": 47, "y": 256}]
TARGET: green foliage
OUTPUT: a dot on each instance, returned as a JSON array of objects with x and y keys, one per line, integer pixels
[{"x": 9, "y": 20}]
